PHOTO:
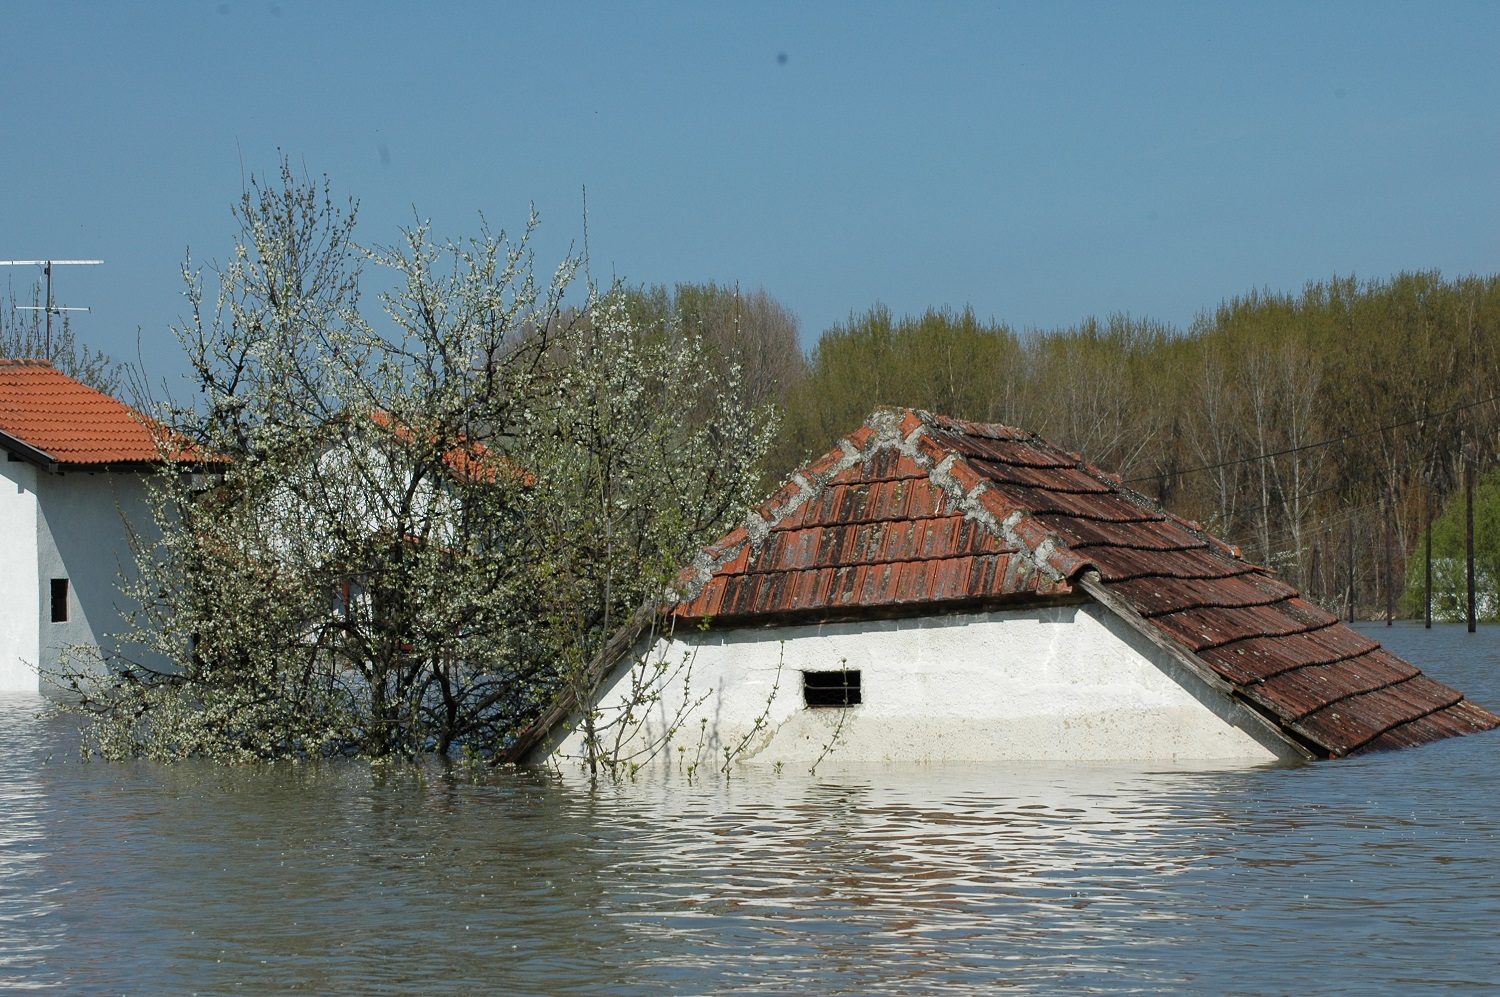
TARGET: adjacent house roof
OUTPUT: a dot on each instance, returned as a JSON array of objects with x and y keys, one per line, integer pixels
[
  {"x": 468, "y": 459},
  {"x": 918, "y": 513},
  {"x": 52, "y": 420}
]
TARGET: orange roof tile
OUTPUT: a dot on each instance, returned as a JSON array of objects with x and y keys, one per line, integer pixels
[
  {"x": 919, "y": 513},
  {"x": 469, "y": 459},
  {"x": 59, "y": 421}
]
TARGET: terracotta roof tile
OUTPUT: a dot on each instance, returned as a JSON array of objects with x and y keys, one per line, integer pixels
[
  {"x": 1261, "y": 656},
  {"x": 1158, "y": 594},
  {"x": 1152, "y": 534},
  {"x": 823, "y": 465},
  {"x": 65, "y": 422},
  {"x": 860, "y": 438},
  {"x": 890, "y": 465},
  {"x": 1105, "y": 508},
  {"x": 1013, "y": 452},
  {"x": 1119, "y": 564},
  {"x": 1299, "y": 691},
  {"x": 931, "y": 512},
  {"x": 1451, "y": 721},
  {"x": 1357, "y": 719},
  {"x": 1056, "y": 479},
  {"x": 469, "y": 459}
]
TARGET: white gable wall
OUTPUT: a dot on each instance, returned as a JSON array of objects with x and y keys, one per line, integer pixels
[
  {"x": 19, "y": 612},
  {"x": 1070, "y": 682},
  {"x": 81, "y": 536}
]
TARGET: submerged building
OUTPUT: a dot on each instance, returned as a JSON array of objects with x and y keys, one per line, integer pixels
[
  {"x": 941, "y": 590},
  {"x": 71, "y": 492}
]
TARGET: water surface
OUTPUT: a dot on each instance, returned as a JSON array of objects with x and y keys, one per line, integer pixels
[{"x": 1367, "y": 875}]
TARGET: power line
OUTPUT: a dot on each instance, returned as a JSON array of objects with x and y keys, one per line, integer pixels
[{"x": 1322, "y": 443}]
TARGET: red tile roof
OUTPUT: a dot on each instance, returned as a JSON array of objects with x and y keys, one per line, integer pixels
[
  {"x": 917, "y": 512},
  {"x": 469, "y": 459},
  {"x": 52, "y": 419}
]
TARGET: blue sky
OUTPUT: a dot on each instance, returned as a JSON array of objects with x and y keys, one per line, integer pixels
[{"x": 1040, "y": 162}]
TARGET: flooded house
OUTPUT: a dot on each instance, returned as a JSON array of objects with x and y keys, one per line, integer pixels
[
  {"x": 70, "y": 481},
  {"x": 940, "y": 590}
]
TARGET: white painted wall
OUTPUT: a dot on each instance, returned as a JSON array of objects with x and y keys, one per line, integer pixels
[
  {"x": 19, "y": 635},
  {"x": 80, "y": 535},
  {"x": 1067, "y": 683}
]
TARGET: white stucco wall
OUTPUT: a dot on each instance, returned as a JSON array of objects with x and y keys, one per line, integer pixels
[
  {"x": 19, "y": 613},
  {"x": 1067, "y": 682},
  {"x": 80, "y": 536}
]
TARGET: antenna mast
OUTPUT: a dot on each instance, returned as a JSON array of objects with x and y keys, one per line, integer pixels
[{"x": 50, "y": 307}]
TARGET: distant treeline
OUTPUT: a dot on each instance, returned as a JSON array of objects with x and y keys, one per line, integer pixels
[
  {"x": 1315, "y": 430},
  {"x": 1311, "y": 429}
]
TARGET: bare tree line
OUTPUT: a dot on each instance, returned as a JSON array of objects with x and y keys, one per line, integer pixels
[{"x": 1301, "y": 427}]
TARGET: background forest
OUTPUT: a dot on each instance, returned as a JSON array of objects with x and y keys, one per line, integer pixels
[{"x": 1314, "y": 430}]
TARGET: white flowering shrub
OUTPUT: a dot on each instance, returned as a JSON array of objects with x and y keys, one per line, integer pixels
[
  {"x": 413, "y": 531},
  {"x": 641, "y": 455}
]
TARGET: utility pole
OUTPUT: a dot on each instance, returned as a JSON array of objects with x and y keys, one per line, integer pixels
[
  {"x": 1468, "y": 469},
  {"x": 1389, "y": 601},
  {"x": 1427, "y": 587},
  {"x": 1469, "y": 538},
  {"x": 51, "y": 306},
  {"x": 1315, "y": 586},
  {"x": 1350, "y": 534}
]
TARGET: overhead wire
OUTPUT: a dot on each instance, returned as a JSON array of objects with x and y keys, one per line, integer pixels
[
  {"x": 1321, "y": 443},
  {"x": 1347, "y": 512}
]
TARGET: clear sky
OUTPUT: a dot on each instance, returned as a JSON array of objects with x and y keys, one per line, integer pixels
[{"x": 1040, "y": 162}]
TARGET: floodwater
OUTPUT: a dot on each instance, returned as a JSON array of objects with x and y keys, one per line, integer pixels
[{"x": 1373, "y": 875}]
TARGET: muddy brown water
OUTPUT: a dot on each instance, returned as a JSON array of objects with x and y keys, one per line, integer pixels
[{"x": 1373, "y": 875}]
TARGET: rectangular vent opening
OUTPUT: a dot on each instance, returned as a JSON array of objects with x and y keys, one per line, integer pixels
[
  {"x": 840, "y": 688},
  {"x": 59, "y": 600}
]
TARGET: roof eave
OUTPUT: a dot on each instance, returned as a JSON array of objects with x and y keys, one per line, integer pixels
[
  {"x": 22, "y": 450},
  {"x": 134, "y": 466},
  {"x": 815, "y": 616},
  {"x": 1091, "y": 583}
]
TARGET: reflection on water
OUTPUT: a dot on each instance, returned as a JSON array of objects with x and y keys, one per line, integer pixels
[{"x": 1375, "y": 874}]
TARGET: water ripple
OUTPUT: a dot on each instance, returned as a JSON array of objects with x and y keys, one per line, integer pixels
[{"x": 1374, "y": 875}]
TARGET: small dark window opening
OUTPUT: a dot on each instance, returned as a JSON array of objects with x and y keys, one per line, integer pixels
[
  {"x": 840, "y": 688},
  {"x": 59, "y": 600}
]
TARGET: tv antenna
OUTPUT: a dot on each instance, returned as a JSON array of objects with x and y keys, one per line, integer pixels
[{"x": 50, "y": 307}]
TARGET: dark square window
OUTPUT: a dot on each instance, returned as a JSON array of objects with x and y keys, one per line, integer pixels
[
  {"x": 59, "y": 600},
  {"x": 840, "y": 688}
]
